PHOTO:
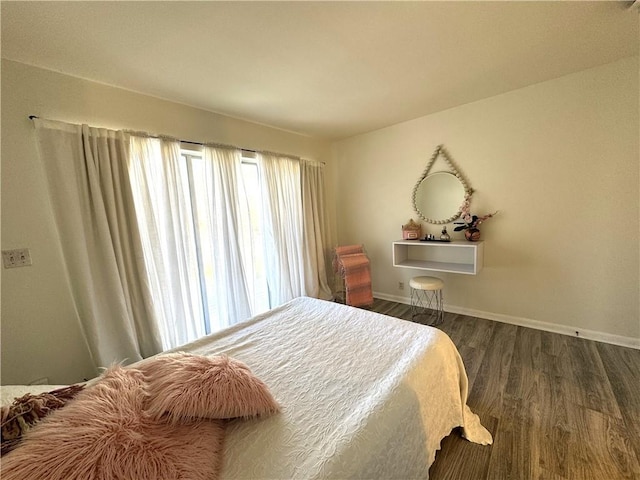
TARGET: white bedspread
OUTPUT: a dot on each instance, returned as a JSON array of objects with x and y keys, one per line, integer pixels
[
  {"x": 8, "y": 393},
  {"x": 363, "y": 395}
]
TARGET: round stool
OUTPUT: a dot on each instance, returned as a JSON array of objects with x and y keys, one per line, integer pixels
[{"x": 426, "y": 299}]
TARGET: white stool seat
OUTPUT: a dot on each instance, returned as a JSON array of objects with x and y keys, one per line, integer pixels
[
  {"x": 426, "y": 299},
  {"x": 426, "y": 283}
]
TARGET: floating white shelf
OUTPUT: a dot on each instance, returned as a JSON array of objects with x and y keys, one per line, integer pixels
[{"x": 452, "y": 257}]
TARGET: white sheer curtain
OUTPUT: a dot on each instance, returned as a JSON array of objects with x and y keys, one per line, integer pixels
[
  {"x": 162, "y": 200},
  {"x": 189, "y": 214},
  {"x": 315, "y": 230},
  {"x": 282, "y": 192},
  {"x": 88, "y": 182},
  {"x": 159, "y": 251},
  {"x": 216, "y": 195}
]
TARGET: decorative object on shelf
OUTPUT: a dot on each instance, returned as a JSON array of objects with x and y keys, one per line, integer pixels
[
  {"x": 470, "y": 222},
  {"x": 437, "y": 196},
  {"x": 411, "y": 231},
  {"x": 445, "y": 235},
  {"x": 472, "y": 234},
  {"x": 432, "y": 238}
]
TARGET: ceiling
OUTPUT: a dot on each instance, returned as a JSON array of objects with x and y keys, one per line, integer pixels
[{"x": 324, "y": 69}]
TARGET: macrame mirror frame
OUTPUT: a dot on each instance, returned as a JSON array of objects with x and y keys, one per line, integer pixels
[{"x": 440, "y": 151}]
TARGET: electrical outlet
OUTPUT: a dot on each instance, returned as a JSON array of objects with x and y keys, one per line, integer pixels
[
  {"x": 16, "y": 258},
  {"x": 400, "y": 285}
]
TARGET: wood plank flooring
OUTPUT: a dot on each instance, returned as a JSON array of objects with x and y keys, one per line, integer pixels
[{"x": 558, "y": 407}]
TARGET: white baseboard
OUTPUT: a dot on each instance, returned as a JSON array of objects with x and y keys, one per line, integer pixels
[
  {"x": 392, "y": 298},
  {"x": 604, "y": 337}
]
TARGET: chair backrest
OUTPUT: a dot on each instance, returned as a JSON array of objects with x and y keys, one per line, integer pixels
[
  {"x": 348, "y": 250},
  {"x": 343, "y": 250},
  {"x": 352, "y": 276}
]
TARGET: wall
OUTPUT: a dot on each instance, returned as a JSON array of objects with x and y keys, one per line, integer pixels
[
  {"x": 560, "y": 160},
  {"x": 41, "y": 336}
]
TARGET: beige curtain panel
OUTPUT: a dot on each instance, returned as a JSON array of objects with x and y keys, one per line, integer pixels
[{"x": 88, "y": 181}]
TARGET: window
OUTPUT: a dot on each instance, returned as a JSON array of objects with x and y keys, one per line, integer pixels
[
  {"x": 222, "y": 234},
  {"x": 251, "y": 234},
  {"x": 253, "y": 231}
]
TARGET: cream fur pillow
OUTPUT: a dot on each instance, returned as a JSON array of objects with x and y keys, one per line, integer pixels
[{"x": 185, "y": 386}]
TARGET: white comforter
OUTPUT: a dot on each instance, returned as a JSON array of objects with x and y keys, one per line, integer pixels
[
  {"x": 363, "y": 395},
  {"x": 8, "y": 393}
]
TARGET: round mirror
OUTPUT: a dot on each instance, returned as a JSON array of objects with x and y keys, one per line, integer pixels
[{"x": 438, "y": 197}]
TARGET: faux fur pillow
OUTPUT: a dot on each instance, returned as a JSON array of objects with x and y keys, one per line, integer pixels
[
  {"x": 183, "y": 385},
  {"x": 27, "y": 410},
  {"x": 106, "y": 434}
]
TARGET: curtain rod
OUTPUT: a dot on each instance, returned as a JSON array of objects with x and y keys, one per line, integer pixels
[{"x": 32, "y": 117}]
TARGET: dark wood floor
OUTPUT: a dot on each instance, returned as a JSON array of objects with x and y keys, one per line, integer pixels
[{"x": 558, "y": 407}]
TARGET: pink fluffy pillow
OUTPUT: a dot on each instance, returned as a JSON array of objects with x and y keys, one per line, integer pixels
[
  {"x": 183, "y": 385},
  {"x": 104, "y": 433}
]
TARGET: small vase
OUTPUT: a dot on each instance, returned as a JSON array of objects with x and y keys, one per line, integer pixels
[{"x": 472, "y": 234}]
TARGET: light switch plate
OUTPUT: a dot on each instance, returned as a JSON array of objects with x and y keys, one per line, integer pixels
[{"x": 20, "y": 257}]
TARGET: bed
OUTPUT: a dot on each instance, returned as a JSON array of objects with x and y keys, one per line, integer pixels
[{"x": 362, "y": 395}]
